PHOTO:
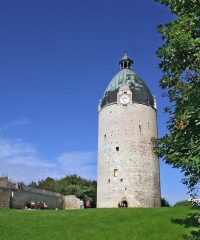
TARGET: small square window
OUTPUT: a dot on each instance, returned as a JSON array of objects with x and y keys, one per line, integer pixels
[
  {"x": 117, "y": 149},
  {"x": 115, "y": 172}
]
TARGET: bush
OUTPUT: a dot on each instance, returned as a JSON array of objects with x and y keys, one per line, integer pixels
[
  {"x": 184, "y": 203},
  {"x": 164, "y": 203}
]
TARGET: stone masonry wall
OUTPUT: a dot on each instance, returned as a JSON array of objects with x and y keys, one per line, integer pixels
[
  {"x": 4, "y": 198},
  {"x": 20, "y": 197},
  {"x": 71, "y": 202},
  {"x": 17, "y": 196},
  {"x": 128, "y": 169},
  {"x": 4, "y": 182}
]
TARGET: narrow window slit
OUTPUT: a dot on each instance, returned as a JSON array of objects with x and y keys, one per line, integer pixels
[{"x": 115, "y": 172}]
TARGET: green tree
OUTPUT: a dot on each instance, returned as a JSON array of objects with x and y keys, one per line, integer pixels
[
  {"x": 71, "y": 185},
  {"x": 164, "y": 202},
  {"x": 180, "y": 64},
  {"x": 184, "y": 203},
  {"x": 81, "y": 187},
  {"x": 47, "y": 184},
  {"x": 33, "y": 184}
]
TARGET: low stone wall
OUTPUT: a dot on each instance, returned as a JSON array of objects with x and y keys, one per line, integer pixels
[
  {"x": 19, "y": 198},
  {"x": 4, "y": 182},
  {"x": 37, "y": 190},
  {"x": 4, "y": 198},
  {"x": 72, "y": 202},
  {"x": 18, "y": 195}
]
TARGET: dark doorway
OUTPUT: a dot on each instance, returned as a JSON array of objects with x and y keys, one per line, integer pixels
[{"x": 123, "y": 204}]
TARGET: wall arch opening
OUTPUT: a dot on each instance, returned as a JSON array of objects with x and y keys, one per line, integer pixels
[{"x": 123, "y": 203}]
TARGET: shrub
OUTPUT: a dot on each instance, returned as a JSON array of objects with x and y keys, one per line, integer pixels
[
  {"x": 164, "y": 203},
  {"x": 184, "y": 203}
]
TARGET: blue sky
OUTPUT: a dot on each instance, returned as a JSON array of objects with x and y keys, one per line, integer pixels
[{"x": 56, "y": 59}]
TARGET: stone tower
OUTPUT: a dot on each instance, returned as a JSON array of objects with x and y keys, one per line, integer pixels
[{"x": 128, "y": 169}]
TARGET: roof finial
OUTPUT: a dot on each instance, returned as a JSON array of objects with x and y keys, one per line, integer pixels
[{"x": 125, "y": 61}]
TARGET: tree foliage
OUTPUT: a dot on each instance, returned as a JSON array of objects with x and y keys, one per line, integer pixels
[
  {"x": 164, "y": 202},
  {"x": 184, "y": 203},
  {"x": 180, "y": 64},
  {"x": 70, "y": 185}
]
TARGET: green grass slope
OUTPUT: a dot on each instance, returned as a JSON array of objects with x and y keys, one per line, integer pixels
[{"x": 96, "y": 224}]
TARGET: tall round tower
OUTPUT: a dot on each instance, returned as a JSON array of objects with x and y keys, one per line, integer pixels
[{"x": 128, "y": 169}]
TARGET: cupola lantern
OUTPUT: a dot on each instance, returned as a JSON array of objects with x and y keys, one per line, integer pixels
[{"x": 125, "y": 62}]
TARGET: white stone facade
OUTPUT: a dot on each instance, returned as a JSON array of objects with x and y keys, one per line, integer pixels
[
  {"x": 128, "y": 169},
  {"x": 71, "y": 202}
]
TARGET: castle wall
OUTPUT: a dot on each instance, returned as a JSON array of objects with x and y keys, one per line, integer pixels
[
  {"x": 128, "y": 168},
  {"x": 20, "y": 197},
  {"x": 4, "y": 182},
  {"x": 4, "y": 198},
  {"x": 17, "y": 196},
  {"x": 72, "y": 202}
]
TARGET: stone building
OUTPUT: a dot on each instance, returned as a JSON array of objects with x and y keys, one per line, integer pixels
[{"x": 128, "y": 169}]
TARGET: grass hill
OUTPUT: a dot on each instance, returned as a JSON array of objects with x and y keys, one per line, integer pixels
[{"x": 96, "y": 224}]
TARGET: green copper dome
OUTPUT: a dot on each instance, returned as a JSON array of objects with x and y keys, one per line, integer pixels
[{"x": 127, "y": 77}]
